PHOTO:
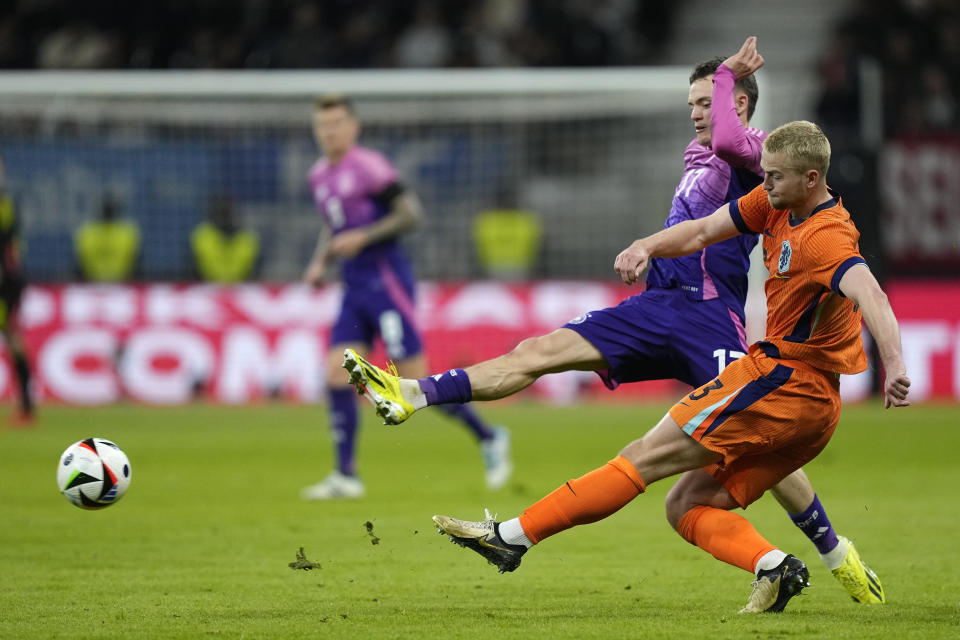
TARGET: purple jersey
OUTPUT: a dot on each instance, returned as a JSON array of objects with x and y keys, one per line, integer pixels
[
  {"x": 347, "y": 195},
  {"x": 711, "y": 178}
]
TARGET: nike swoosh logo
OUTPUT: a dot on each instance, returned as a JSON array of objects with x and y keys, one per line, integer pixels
[{"x": 484, "y": 543}]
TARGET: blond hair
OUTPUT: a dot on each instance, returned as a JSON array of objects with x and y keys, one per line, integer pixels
[{"x": 804, "y": 143}]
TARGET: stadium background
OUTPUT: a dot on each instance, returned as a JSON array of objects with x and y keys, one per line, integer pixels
[
  {"x": 572, "y": 110},
  {"x": 201, "y": 544}
]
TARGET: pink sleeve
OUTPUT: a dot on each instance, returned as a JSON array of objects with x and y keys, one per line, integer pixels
[
  {"x": 729, "y": 138},
  {"x": 378, "y": 172}
]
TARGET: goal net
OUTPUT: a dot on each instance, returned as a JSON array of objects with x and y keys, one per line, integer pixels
[{"x": 595, "y": 154}]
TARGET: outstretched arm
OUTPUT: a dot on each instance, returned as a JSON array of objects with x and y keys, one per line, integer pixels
[
  {"x": 681, "y": 239},
  {"x": 859, "y": 285}
]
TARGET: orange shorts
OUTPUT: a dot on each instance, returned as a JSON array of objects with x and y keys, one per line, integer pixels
[{"x": 767, "y": 417}]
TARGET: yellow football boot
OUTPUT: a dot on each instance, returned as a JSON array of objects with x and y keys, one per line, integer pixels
[
  {"x": 858, "y": 579},
  {"x": 381, "y": 388}
]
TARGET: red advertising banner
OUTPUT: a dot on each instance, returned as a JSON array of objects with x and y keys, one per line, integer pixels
[
  {"x": 929, "y": 314},
  {"x": 166, "y": 344}
]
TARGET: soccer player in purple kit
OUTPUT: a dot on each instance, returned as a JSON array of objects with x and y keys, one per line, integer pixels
[
  {"x": 366, "y": 208},
  {"x": 688, "y": 324}
]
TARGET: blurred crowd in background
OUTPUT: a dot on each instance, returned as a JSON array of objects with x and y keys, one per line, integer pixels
[
  {"x": 305, "y": 34},
  {"x": 916, "y": 42}
]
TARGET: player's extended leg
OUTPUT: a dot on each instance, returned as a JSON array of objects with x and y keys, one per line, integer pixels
[
  {"x": 796, "y": 495},
  {"x": 664, "y": 451},
  {"x": 558, "y": 351},
  {"x": 582, "y": 500},
  {"x": 342, "y": 482},
  {"x": 494, "y": 441},
  {"x": 397, "y": 398}
]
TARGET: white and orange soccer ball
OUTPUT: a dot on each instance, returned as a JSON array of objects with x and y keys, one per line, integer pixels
[{"x": 93, "y": 473}]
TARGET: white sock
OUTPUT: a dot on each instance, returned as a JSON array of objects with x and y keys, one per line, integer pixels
[
  {"x": 770, "y": 560},
  {"x": 834, "y": 557},
  {"x": 412, "y": 393},
  {"x": 512, "y": 533}
]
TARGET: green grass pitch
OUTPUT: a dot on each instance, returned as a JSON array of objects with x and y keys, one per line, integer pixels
[{"x": 200, "y": 545}]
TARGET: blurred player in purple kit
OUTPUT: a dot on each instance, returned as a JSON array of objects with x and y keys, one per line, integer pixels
[
  {"x": 366, "y": 208},
  {"x": 688, "y": 324}
]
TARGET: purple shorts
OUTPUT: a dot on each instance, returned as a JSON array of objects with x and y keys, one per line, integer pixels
[
  {"x": 381, "y": 309},
  {"x": 661, "y": 334}
]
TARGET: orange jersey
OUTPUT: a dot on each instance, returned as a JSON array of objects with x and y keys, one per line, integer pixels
[{"x": 808, "y": 318}]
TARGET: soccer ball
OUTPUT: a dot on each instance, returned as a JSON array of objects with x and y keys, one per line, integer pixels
[{"x": 93, "y": 473}]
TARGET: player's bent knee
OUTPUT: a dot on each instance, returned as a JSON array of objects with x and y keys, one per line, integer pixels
[
  {"x": 676, "y": 505},
  {"x": 696, "y": 489}
]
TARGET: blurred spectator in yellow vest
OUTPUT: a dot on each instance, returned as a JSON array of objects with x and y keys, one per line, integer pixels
[
  {"x": 107, "y": 249},
  {"x": 222, "y": 252},
  {"x": 507, "y": 239}
]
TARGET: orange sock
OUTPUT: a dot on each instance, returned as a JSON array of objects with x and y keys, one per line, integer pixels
[
  {"x": 725, "y": 535},
  {"x": 586, "y": 499}
]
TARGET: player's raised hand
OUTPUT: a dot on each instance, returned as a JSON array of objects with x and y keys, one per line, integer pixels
[
  {"x": 895, "y": 390},
  {"x": 745, "y": 61},
  {"x": 631, "y": 262}
]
